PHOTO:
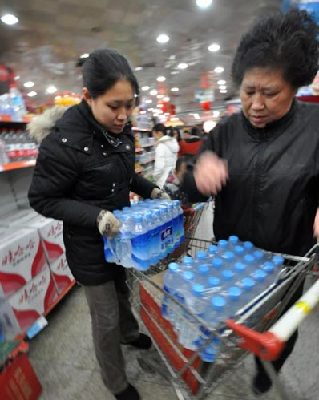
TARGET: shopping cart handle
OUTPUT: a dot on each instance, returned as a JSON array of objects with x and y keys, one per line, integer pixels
[{"x": 265, "y": 345}]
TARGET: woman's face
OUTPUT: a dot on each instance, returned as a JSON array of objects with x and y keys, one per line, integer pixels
[
  {"x": 114, "y": 107},
  {"x": 265, "y": 96}
]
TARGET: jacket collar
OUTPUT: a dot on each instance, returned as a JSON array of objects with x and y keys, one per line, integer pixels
[{"x": 273, "y": 129}]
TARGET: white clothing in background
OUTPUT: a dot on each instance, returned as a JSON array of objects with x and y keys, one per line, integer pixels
[{"x": 165, "y": 158}]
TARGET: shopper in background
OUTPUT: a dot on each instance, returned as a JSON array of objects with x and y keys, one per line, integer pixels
[
  {"x": 262, "y": 165},
  {"x": 165, "y": 154},
  {"x": 173, "y": 181},
  {"x": 84, "y": 171},
  {"x": 191, "y": 142}
]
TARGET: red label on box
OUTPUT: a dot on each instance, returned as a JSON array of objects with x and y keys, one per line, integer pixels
[{"x": 61, "y": 273}]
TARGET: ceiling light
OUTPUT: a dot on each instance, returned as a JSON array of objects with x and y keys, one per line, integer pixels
[
  {"x": 17, "y": 77},
  {"x": 160, "y": 96},
  {"x": 148, "y": 101},
  {"x": 28, "y": 84},
  {"x": 153, "y": 92},
  {"x": 145, "y": 88},
  {"x": 204, "y": 3},
  {"x": 166, "y": 99},
  {"x": 214, "y": 47},
  {"x": 182, "y": 65},
  {"x": 223, "y": 91},
  {"x": 172, "y": 57},
  {"x": 162, "y": 38},
  {"x": 174, "y": 72},
  {"x": 85, "y": 55},
  {"x": 51, "y": 89},
  {"x": 161, "y": 78},
  {"x": 222, "y": 87},
  {"x": 219, "y": 70},
  {"x": 175, "y": 89},
  {"x": 9, "y": 19},
  {"x": 160, "y": 105},
  {"x": 32, "y": 93},
  {"x": 138, "y": 69},
  {"x": 221, "y": 82}
]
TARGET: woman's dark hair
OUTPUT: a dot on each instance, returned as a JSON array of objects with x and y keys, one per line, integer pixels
[
  {"x": 175, "y": 131},
  {"x": 103, "y": 68},
  {"x": 187, "y": 159},
  {"x": 284, "y": 41},
  {"x": 159, "y": 128}
]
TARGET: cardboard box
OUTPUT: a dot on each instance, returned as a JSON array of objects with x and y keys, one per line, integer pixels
[
  {"x": 18, "y": 217},
  {"x": 163, "y": 333},
  {"x": 21, "y": 258},
  {"x": 36, "y": 298},
  {"x": 62, "y": 275},
  {"x": 18, "y": 381}
]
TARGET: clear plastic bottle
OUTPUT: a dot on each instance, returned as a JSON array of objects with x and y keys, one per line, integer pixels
[
  {"x": 260, "y": 277},
  {"x": 234, "y": 300},
  {"x": 227, "y": 279},
  {"x": 187, "y": 263},
  {"x": 212, "y": 251},
  {"x": 248, "y": 286},
  {"x": 215, "y": 312},
  {"x": 269, "y": 268},
  {"x": 170, "y": 284},
  {"x": 229, "y": 259},
  {"x": 239, "y": 252},
  {"x": 217, "y": 265},
  {"x": 202, "y": 274}
]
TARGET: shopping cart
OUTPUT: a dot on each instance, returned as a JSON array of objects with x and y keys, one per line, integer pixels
[{"x": 256, "y": 328}]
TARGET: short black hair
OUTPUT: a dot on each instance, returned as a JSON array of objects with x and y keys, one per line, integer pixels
[
  {"x": 103, "y": 68},
  {"x": 283, "y": 41},
  {"x": 159, "y": 128},
  {"x": 187, "y": 159}
]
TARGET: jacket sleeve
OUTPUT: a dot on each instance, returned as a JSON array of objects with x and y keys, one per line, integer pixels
[
  {"x": 188, "y": 185},
  {"x": 142, "y": 186},
  {"x": 56, "y": 172},
  {"x": 159, "y": 161}
]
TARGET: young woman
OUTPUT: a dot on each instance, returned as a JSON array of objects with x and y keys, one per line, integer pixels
[{"x": 84, "y": 171}]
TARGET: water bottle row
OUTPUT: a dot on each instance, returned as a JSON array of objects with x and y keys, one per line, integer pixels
[
  {"x": 12, "y": 105},
  {"x": 18, "y": 145},
  {"x": 150, "y": 230}
]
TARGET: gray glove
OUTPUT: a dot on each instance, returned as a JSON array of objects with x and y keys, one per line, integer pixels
[
  {"x": 108, "y": 225},
  {"x": 159, "y": 194}
]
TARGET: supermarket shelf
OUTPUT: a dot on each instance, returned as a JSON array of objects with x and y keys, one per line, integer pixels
[
  {"x": 148, "y": 145},
  {"x": 17, "y": 165},
  {"x": 135, "y": 129}
]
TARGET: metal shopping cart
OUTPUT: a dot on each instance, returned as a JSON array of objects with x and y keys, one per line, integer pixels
[{"x": 254, "y": 329}]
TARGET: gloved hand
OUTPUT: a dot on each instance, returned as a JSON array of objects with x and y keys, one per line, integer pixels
[
  {"x": 108, "y": 225},
  {"x": 159, "y": 194}
]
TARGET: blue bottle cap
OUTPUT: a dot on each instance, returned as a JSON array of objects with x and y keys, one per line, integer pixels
[
  {"x": 222, "y": 243},
  {"x": 234, "y": 293},
  {"x": 249, "y": 259},
  {"x": 278, "y": 260},
  {"x": 212, "y": 249},
  {"x": 258, "y": 254},
  {"x": 187, "y": 260},
  {"x": 248, "y": 245},
  {"x": 203, "y": 269},
  {"x": 198, "y": 290},
  {"x": 188, "y": 275},
  {"x": 240, "y": 267},
  {"x": 213, "y": 281},
  {"x": 268, "y": 267},
  {"x": 201, "y": 254},
  {"x": 217, "y": 263},
  {"x": 173, "y": 267},
  {"x": 259, "y": 275},
  {"x": 218, "y": 303},
  {"x": 227, "y": 275},
  {"x": 239, "y": 250},
  {"x": 233, "y": 239},
  {"x": 248, "y": 283},
  {"x": 229, "y": 255}
]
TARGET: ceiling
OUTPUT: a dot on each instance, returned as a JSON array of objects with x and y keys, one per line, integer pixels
[{"x": 51, "y": 35}]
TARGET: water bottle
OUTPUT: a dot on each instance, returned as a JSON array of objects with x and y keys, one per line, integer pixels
[
  {"x": 213, "y": 286},
  {"x": 210, "y": 352},
  {"x": 217, "y": 265},
  {"x": 250, "y": 261},
  {"x": 182, "y": 291},
  {"x": 233, "y": 240},
  {"x": 260, "y": 277},
  {"x": 239, "y": 253},
  {"x": 227, "y": 279},
  {"x": 215, "y": 311},
  {"x": 229, "y": 259},
  {"x": 196, "y": 299},
  {"x": 122, "y": 242},
  {"x": 248, "y": 246},
  {"x": 259, "y": 256},
  {"x": 248, "y": 286},
  {"x": 170, "y": 283},
  {"x": 187, "y": 264},
  {"x": 234, "y": 297},
  {"x": 202, "y": 274},
  {"x": 240, "y": 269},
  {"x": 201, "y": 258},
  {"x": 269, "y": 268},
  {"x": 212, "y": 251},
  {"x": 139, "y": 243},
  {"x": 278, "y": 261},
  {"x": 222, "y": 247}
]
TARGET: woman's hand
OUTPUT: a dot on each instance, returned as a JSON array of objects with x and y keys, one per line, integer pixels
[
  {"x": 316, "y": 225},
  {"x": 108, "y": 225},
  {"x": 210, "y": 173}
]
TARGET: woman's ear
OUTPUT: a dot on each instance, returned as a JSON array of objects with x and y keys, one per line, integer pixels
[{"x": 86, "y": 95}]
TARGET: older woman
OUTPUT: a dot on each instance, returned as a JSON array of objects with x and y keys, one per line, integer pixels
[{"x": 263, "y": 164}]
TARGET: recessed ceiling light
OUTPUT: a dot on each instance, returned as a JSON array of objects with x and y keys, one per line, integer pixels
[
  {"x": 204, "y": 3},
  {"x": 219, "y": 70},
  {"x": 161, "y": 78},
  {"x": 223, "y": 87},
  {"x": 182, "y": 65},
  {"x": 17, "y": 77},
  {"x": 138, "y": 69},
  {"x": 32, "y": 93},
  {"x": 148, "y": 101},
  {"x": 145, "y": 88},
  {"x": 221, "y": 82},
  {"x": 175, "y": 89},
  {"x": 51, "y": 89},
  {"x": 153, "y": 92},
  {"x": 28, "y": 84},
  {"x": 9, "y": 19},
  {"x": 162, "y": 38},
  {"x": 214, "y": 47},
  {"x": 166, "y": 99}
]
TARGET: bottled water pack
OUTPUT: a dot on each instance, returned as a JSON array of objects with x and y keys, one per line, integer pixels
[
  {"x": 214, "y": 286},
  {"x": 150, "y": 230}
]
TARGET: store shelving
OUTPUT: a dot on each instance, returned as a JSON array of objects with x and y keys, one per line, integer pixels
[
  {"x": 144, "y": 150},
  {"x": 17, "y": 165}
]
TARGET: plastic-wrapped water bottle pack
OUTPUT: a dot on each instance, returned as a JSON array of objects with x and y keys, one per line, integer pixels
[{"x": 150, "y": 230}]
